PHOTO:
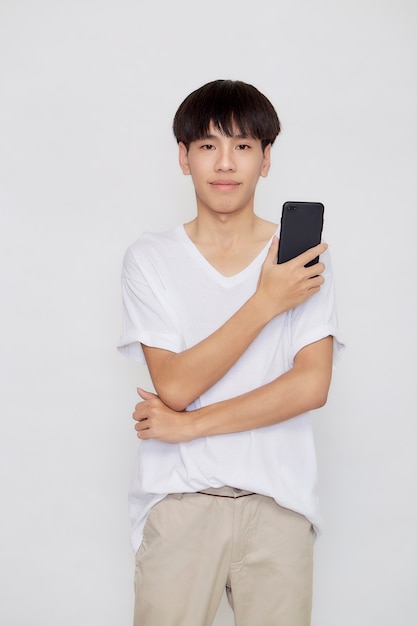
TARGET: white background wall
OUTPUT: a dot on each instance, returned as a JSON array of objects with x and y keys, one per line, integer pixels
[{"x": 88, "y": 92}]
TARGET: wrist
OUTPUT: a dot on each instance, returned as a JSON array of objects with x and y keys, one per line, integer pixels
[
  {"x": 262, "y": 309},
  {"x": 209, "y": 420},
  {"x": 197, "y": 423}
]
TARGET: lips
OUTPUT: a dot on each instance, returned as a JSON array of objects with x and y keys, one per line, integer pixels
[{"x": 224, "y": 184}]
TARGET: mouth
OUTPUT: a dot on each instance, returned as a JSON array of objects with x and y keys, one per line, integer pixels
[{"x": 224, "y": 185}]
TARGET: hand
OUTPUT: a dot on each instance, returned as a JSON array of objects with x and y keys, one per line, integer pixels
[
  {"x": 157, "y": 421},
  {"x": 283, "y": 287}
]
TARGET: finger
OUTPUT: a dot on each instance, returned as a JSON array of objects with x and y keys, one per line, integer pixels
[
  {"x": 310, "y": 254},
  {"x": 315, "y": 269},
  {"x": 315, "y": 282},
  {"x": 142, "y": 430},
  {"x": 145, "y": 395},
  {"x": 136, "y": 415},
  {"x": 139, "y": 412}
]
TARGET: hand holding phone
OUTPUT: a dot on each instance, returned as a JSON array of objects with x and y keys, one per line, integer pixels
[{"x": 301, "y": 229}]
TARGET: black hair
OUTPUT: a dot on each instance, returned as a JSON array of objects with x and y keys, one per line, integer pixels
[{"x": 230, "y": 105}]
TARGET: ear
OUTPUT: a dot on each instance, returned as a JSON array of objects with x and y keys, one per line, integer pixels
[
  {"x": 266, "y": 163},
  {"x": 183, "y": 159}
]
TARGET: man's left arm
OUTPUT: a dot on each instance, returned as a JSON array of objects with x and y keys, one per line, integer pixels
[{"x": 303, "y": 388}]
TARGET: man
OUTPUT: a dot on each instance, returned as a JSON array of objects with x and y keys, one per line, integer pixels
[{"x": 239, "y": 350}]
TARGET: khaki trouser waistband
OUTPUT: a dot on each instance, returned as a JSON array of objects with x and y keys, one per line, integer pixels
[{"x": 226, "y": 492}]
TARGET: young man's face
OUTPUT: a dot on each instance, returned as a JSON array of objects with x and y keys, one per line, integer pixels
[{"x": 225, "y": 170}]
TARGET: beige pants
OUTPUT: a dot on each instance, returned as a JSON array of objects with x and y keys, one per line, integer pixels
[{"x": 196, "y": 545}]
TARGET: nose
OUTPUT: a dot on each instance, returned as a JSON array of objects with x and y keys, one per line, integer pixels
[{"x": 225, "y": 161}]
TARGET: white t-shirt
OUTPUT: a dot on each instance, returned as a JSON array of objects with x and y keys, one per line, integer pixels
[{"x": 172, "y": 299}]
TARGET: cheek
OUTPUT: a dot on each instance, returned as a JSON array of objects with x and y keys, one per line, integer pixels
[
  {"x": 254, "y": 173},
  {"x": 196, "y": 169},
  {"x": 197, "y": 176}
]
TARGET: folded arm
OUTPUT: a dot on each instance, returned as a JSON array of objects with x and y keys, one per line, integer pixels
[
  {"x": 303, "y": 388},
  {"x": 180, "y": 378}
]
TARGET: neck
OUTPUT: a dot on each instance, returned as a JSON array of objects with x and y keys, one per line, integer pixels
[
  {"x": 230, "y": 245},
  {"x": 223, "y": 229}
]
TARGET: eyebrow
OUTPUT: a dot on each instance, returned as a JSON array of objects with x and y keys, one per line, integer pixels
[{"x": 229, "y": 136}]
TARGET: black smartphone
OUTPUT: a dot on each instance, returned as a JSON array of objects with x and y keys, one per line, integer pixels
[{"x": 301, "y": 228}]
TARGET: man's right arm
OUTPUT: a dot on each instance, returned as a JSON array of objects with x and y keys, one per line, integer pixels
[{"x": 180, "y": 378}]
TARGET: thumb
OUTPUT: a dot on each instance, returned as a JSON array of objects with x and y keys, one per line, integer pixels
[
  {"x": 145, "y": 395},
  {"x": 272, "y": 255}
]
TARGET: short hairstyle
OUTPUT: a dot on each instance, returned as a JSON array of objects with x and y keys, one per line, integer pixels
[{"x": 230, "y": 105}]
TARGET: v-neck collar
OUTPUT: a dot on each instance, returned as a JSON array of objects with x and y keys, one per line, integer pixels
[{"x": 208, "y": 267}]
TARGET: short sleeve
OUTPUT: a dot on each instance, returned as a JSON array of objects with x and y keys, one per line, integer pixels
[
  {"x": 146, "y": 315},
  {"x": 316, "y": 318}
]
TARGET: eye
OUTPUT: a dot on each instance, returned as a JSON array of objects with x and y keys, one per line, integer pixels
[
  {"x": 207, "y": 146},
  {"x": 243, "y": 146}
]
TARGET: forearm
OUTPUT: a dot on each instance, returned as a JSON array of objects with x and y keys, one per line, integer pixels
[
  {"x": 290, "y": 395},
  {"x": 182, "y": 377}
]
